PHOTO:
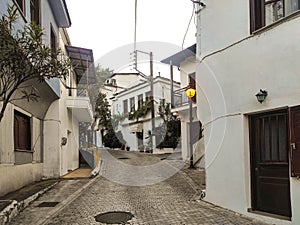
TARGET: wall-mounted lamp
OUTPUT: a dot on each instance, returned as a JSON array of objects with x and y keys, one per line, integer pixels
[{"x": 261, "y": 95}]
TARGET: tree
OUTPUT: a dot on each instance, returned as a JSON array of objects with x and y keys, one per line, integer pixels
[
  {"x": 94, "y": 90},
  {"x": 169, "y": 132},
  {"x": 102, "y": 111},
  {"x": 24, "y": 57},
  {"x": 108, "y": 123}
]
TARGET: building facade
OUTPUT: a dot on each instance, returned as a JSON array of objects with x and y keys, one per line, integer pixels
[
  {"x": 251, "y": 147},
  {"x": 40, "y": 139},
  {"x": 136, "y": 131},
  {"x": 186, "y": 62}
]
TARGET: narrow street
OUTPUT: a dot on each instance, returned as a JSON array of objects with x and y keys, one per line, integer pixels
[{"x": 166, "y": 201}]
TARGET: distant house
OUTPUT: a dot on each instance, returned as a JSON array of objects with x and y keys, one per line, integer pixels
[
  {"x": 137, "y": 130},
  {"x": 42, "y": 139},
  {"x": 186, "y": 62},
  {"x": 248, "y": 50}
]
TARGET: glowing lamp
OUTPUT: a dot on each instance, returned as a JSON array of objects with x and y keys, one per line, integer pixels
[{"x": 190, "y": 92}]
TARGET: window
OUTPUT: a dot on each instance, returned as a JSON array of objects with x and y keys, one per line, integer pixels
[
  {"x": 266, "y": 12},
  {"x": 131, "y": 102},
  {"x": 140, "y": 100},
  {"x": 125, "y": 106},
  {"x": 148, "y": 96},
  {"x": 22, "y": 134},
  {"x": 53, "y": 41},
  {"x": 35, "y": 11},
  {"x": 21, "y": 5}
]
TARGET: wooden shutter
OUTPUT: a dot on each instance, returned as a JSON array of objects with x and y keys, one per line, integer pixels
[
  {"x": 22, "y": 134},
  {"x": 295, "y": 140}
]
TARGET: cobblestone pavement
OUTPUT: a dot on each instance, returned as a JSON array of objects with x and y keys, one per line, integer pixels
[{"x": 166, "y": 202}]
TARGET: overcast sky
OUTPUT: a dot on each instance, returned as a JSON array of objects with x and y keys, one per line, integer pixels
[{"x": 107, "y": 25}]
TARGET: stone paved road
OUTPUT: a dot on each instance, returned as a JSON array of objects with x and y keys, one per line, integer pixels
[{"x": 166, "y": 202}]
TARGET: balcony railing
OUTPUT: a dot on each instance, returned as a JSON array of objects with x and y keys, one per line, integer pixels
[
  {"x": 78, "y": 92},
  {"x": 180, "y": 98}
]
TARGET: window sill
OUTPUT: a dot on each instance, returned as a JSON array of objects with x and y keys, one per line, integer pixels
[
  {"x": 275, "y": 216},
  {"x": 27, "y": 151},
  {"x": 276, "y": 23}
]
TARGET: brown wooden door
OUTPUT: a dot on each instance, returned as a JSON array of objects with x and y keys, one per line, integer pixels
[{"x": 270, "y": 163}]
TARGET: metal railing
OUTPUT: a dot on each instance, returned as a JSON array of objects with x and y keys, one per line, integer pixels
[
  {"x": 78, "y": 92},
  {"x": 180, "y": 98}
]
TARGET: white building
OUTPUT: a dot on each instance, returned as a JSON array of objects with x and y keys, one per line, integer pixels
[
  {"x": 252, "y": 152},
  {"x": 136, "y": 131},
  {"x": 185, "y": 61},
  {"x": 49, "y": 128}
]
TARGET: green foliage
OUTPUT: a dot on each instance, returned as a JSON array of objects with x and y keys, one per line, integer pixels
[
  {"x": 24, "y": 57},
  {"x": 112, "y": 139},
  {"x": 102, "y": 111},
  {"x": 93, "y": 90},
  {"x": 141, "y": 111},
  {"x": 168, "y": 133},
  {"x": 108, "y": 123}
]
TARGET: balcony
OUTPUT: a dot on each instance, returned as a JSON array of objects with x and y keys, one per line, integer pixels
[
  {"x": 78, "y": 102},
  {"x": 181, "y": 99}
]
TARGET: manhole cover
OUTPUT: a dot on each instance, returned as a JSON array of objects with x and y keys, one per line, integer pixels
[
  {"x": 48, "y": 204},
  {"x": 114, "y": 217},
  {"x": 123, "y": 158}
]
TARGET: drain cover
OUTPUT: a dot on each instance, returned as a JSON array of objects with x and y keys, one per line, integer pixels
[
  {"x": 123, "y": 158},
  {"x": 114, "y": 217},
  {"x": 48, "y": 204}
]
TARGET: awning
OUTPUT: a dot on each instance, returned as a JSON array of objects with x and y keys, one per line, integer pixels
[
  {"x": 83, "y": 64},
  {"x": 179, "y": 57}
]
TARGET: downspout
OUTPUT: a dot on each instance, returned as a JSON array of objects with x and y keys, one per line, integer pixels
[{"x": 42, "y": 140}]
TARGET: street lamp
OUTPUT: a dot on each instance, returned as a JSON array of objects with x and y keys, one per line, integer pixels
[{"x": 190, "y": 92}]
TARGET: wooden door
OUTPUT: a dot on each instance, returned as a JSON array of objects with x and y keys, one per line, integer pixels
[{"x": 269, "y": 145}]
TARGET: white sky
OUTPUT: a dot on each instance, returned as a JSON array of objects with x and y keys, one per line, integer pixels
[{"x": 106, "y": 25}]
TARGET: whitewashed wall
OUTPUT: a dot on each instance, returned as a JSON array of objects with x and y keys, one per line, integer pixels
[
  {"x": 222, "y": 23},
  {"x": 229, "y": 80}
]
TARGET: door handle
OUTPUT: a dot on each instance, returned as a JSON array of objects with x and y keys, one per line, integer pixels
[{"x": 293, "y": 145}]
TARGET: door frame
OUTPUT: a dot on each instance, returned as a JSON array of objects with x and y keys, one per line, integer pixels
[{"x": 252, "y": 159}]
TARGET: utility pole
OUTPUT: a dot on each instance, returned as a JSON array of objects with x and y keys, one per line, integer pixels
[
  {"x": 152, "y": 101},
  {"x": 190, "y": 130}
]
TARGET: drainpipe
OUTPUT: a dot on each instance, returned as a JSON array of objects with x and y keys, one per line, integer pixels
[{"x": 42, "y": 140}]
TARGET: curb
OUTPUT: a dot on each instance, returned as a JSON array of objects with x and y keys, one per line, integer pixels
[
  {"x": 14, "y": 208},
  {"x": 66, "y": 202}
]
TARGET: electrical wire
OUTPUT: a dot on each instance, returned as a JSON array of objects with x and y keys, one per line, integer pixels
[{"x": 188, "y": 27}]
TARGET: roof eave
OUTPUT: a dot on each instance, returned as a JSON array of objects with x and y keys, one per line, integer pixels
[{"x": 61, "y": 13}]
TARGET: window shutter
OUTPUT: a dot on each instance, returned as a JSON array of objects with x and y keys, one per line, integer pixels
[{"x": 295, "y": 140}]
